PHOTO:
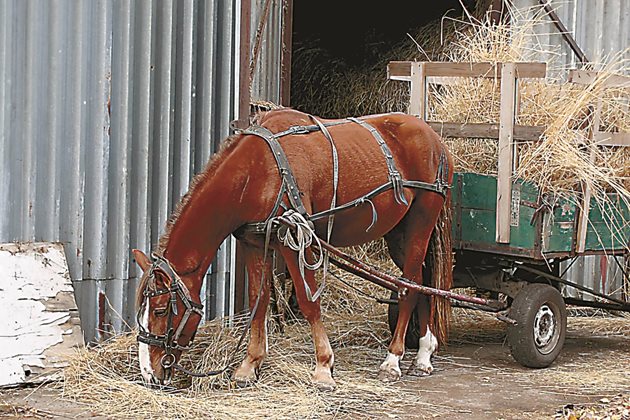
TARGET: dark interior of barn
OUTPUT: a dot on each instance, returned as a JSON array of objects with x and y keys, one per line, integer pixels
[{"x": 334, "y": 37}]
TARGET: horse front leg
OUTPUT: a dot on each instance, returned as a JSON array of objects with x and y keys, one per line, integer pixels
[
  {"x": 324, "y": 357},
  {"x": 257, "y": 269}
]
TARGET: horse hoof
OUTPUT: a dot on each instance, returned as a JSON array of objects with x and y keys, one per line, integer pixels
[
  {"x": 389, "y": 375},
  {"x": 326, "y": 386},
  {"x": 244, "y": 380},
  {"x": 324, "y": 381},
  {"x": 243, "y": 384},
  {"x": 422, "y": 370}
]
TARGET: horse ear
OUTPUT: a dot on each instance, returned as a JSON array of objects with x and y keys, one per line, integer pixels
[{"x": 143, "y": 261}]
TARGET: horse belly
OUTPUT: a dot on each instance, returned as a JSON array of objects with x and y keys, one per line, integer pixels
[{"x": 361, "y": 224}]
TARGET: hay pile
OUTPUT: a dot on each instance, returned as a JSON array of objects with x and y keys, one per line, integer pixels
[
  {"x": 108, "y": 377},
  {"x": 562, "y": 163}
]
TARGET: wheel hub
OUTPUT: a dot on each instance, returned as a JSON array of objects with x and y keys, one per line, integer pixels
[{"x": 545, "y": 326}]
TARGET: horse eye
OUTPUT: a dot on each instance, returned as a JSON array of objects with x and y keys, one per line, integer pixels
[{"x": 160, "y": 311}]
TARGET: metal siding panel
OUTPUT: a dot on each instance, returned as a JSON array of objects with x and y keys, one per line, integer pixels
[
  {"x": 102, "y": 192},
  {"x": 162, "y": 152},
  {"x": 141, "y": 129},
  {"x": 204, "y": 139},
  {"x": 18, "y": 196},
  {"x": 183, "y": 109},
  {"x": 72, "y": 164},
  {"x": 121, "y": 135},
  {"x": 96, "y": 140},
  {"x": 205, "y": 88},
  {"x": 55, "y": 104},
  {"x": 5, "y": 173},
  {"x": 266, "y": 82},
  {"x": 118, "y": 176}
]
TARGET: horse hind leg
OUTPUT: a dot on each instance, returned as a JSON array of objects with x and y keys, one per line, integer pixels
[
  {"x": 408, "y": 245},
  {"x": 257, "y": 268},
  {"x": 324, "y": 357},
  {"x": 428, "y": 343}
]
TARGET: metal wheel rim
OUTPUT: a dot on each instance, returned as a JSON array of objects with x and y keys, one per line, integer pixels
[{"x": 546, "y": 329}]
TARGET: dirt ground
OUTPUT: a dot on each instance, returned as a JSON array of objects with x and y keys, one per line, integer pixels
[{"x": 474, "y": 378}]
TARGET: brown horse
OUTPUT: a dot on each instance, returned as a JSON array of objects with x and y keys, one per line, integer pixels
[{"x": 241, "y": 185}]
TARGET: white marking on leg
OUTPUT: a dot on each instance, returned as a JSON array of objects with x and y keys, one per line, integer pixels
[
  {"x": 392, "y": 363},
  {"x": 426, "y": 346},
  {"x": 143, "y": 349}
]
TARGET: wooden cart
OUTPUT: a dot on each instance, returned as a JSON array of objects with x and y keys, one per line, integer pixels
[{"x": 508, "y": 238}]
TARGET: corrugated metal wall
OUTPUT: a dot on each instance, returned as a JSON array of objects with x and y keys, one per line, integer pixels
[
  {"x": 267, "y": 74},
  {"x": 602, "y": 30},
  {"x": 600, "y": 27},
  {"x": 107, "y": 109}
]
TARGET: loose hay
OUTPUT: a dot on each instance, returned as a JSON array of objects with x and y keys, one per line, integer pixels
[
  {"x": 562, "y": 164},
  {"x": 108, "y": 377}
]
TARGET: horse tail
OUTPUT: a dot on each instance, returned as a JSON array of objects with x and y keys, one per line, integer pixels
[{"x": 439, "y": 264}]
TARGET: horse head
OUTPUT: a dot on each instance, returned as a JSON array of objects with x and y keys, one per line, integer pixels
[{"x": 167, "y": 317}]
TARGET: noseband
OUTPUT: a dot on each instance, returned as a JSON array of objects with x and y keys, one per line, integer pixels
[{"x": 170, "y": 340}]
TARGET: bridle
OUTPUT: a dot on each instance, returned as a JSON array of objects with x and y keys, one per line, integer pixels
[{"x": 170, "y": 340}]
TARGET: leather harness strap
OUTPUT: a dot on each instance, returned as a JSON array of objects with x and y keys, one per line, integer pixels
[
  {"x": 290, "y": 186},
  {"x": 394, "y": 176}
]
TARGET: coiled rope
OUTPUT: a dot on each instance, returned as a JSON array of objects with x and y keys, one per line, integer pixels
[{"x": 299, "y": 239}]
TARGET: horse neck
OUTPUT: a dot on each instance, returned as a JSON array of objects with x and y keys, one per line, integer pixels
[{"x": 210, "y": 214}]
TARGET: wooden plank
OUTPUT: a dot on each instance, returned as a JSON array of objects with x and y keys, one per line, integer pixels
[
  {"x": 523, "y": 133},
  {"x": 506, "y": 144},
  {"x": 586, "y": 200},
  {"x": 612, "y": 139},
  {"x": 287, "y": 50},
  {"x": 418, "y": 94},
  {"x": 41, "y": 331},
  {"x": 584, "y": 77},
  {"x": 401, "y": 70}
]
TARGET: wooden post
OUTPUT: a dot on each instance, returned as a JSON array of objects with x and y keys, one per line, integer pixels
[
  {"x": 244, "y": 63},
  {"x": 418, "y": 94},
  {"x": 586, "y": 199},
  {"x": 506, "y": 153},
  {"x": 287, "y": 45}
]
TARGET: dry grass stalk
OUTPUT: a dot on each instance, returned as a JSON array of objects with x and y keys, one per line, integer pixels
[
  {"x": 562, "y": 164},
  {"x": 108, "y": 377}
]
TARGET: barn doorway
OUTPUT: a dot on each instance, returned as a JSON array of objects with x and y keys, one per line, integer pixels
[{"x": 337, "y": 42}]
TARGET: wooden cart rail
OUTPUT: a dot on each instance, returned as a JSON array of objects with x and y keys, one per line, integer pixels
[
  {"x": 508, "y": 134},
  {"x": 418, "y": 73}
]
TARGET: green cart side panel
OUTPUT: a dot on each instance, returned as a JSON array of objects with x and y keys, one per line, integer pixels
[
  {"x": 475, "y": 199},
  {"x": 558, "y": 231},
  {"x": 609, "y": 225},
  {"x": 474, "y": 212}
]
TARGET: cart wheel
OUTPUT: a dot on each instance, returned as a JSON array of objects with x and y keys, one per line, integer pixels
[
  {"x": 541, "y": 315},
  {"x": 412, "y": 337}
]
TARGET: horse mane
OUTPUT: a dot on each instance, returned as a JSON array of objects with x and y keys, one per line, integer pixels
[
  {"x": 226, "y": 146},
  {"x": 259, "y": 114}
]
